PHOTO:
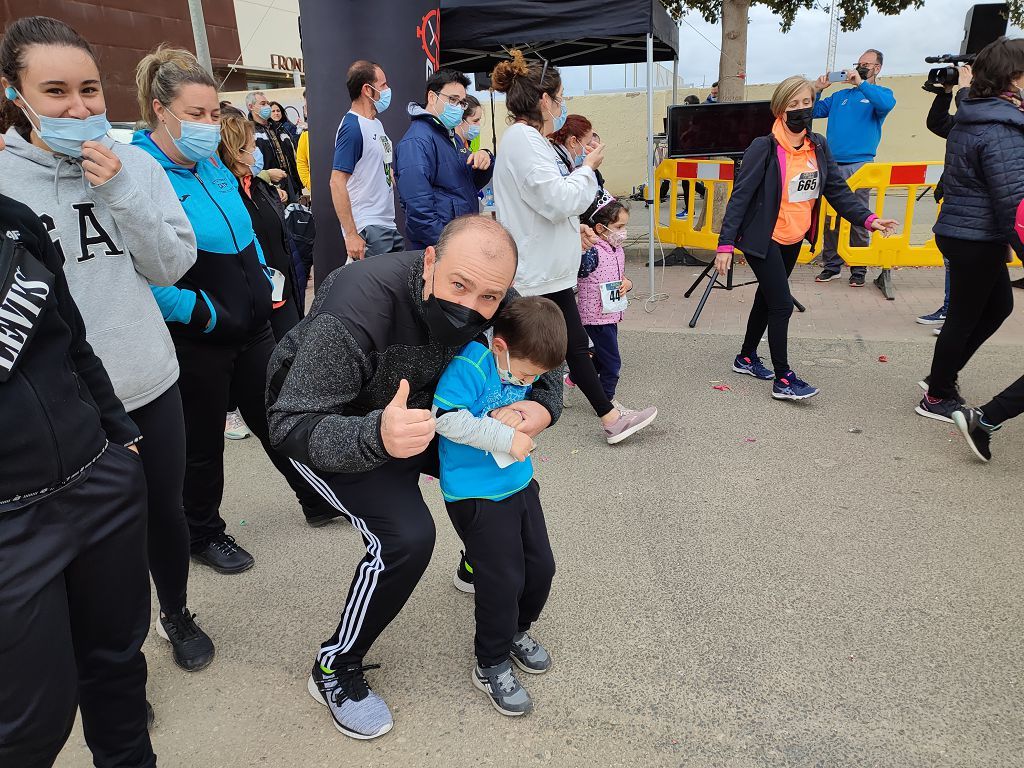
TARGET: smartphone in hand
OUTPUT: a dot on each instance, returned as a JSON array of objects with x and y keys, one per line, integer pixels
[{"x": 836, "y": 77}]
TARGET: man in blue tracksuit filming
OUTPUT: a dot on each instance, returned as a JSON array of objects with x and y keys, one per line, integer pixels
[{"x": 855, "y": 118}]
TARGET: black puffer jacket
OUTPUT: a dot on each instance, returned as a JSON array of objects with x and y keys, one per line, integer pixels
[
  {"x": 983, "y": 181},
  {"x": 57, "y": 405}
]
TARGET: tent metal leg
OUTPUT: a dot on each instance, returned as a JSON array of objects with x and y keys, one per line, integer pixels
[{"x": 651, "y": 192}]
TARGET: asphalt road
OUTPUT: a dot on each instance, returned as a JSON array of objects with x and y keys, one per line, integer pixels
[{"x": 747, "y": 583}]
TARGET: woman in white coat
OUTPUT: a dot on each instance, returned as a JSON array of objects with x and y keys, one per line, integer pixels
[{"x": 541, "y": 208}]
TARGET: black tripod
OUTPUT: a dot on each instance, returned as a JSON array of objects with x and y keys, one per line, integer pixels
[{"x": 715, "y": 282}]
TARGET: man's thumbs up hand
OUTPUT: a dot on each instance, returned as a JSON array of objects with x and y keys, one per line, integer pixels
[{"x": 405, "y": 431}]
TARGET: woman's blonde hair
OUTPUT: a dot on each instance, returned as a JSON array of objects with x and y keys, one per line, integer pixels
[
  {"x": 162, "y": 73},
  {"x": 235, "y": 133},
  {"x": 786, "y": 90}
]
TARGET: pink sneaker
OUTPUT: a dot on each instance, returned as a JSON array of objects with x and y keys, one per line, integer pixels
[{"x": 629, "y": 423}]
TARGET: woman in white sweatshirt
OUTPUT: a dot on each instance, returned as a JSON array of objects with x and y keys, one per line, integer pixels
[
  {"x": 116, "y": 221},
  {"x": 541, "y": 208}
]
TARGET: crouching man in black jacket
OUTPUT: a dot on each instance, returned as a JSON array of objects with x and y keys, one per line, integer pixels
[
  {"x": 74, "y": 581},
  {"x": 349, "y": 397}
]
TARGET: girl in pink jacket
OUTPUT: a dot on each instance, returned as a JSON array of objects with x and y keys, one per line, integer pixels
[{"x": 603, "y": 288}]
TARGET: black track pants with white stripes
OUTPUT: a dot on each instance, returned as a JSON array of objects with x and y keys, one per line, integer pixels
[{"x": 386, "y": 507}]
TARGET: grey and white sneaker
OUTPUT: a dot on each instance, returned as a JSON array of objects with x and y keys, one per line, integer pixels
[
  {"x": 529, "y": 655},
  {"x": 357, "y": 711},
  {"x": 629, "y": 423},
  {"x": 503, "y": 689}
]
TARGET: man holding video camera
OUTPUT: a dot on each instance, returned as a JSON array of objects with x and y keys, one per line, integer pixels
[{"x": 855, "y": 118}]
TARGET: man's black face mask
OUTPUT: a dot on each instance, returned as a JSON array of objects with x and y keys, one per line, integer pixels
[{"x": 452, "y": 324}]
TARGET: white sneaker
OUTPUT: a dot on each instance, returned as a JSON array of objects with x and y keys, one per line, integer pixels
[{"x": 234, "y": 427}]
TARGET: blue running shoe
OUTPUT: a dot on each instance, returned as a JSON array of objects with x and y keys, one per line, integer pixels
[
  {"x": 789, "y": 387},
  {"x": 752, "y": 366},
  {"x": 938, "y": 317}
]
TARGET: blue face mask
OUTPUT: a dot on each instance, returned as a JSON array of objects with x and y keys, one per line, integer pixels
[
  {"x": 472, "y": 132},
  {"x": 384, "y": 101},
  {"x": 265, "y": 112},
  {"x": 451, "y": 116},
  {"x": 65, "y": 135},
  {"x": 257, "y": 161},
  {"x": 578, "y": 160},
  {"x": 198, "y": 141},
  {"x": 560, "y": 120}
]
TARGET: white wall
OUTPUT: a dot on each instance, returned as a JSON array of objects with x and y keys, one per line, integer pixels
[{"x": 266, "y": 27}]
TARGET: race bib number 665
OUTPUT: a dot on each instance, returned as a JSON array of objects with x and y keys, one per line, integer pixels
[{"x": 803, "y": 187}]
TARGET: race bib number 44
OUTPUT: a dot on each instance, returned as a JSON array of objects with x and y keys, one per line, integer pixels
[
  {"x": 612, "y": 299},
  {"x": 803, "y": 187}
]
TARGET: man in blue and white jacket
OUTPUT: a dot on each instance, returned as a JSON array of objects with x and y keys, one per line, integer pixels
[{"x": 855, "y": 118}]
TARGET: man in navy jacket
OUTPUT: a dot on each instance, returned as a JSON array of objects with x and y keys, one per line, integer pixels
[{"x": 438, "y": 177}]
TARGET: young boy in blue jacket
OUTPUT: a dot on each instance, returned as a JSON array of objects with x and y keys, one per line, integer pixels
[{"x": 491, "y": 496}]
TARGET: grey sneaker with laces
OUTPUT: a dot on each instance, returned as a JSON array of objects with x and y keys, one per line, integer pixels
[
  {"x": 357, "y": 711},
  {"x": 529, "y": 655},
  {"x": 629, "y": 423},
  {"x": 503, "y": 689}
]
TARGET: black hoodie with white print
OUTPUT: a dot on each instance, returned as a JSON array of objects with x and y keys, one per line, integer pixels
[{"x": 58, "y": 409}]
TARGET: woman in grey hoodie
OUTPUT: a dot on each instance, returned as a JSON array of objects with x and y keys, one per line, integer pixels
[{"x": 119, "y": 227}]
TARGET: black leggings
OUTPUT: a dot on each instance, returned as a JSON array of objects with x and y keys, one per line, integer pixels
[
  {"x": 163, "y": 458},
  {"x": 284, "y": 319},
  {"x": 773, "y": 304},
  {"x": 211, "y": 374},
  {"x": 980, "y": 299},
  {"x": 577, "y": 356}
]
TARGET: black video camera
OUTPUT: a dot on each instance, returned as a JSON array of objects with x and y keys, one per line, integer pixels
[
  {"x": 983, "y": 24},
  {"x": 940, "y": 77}
]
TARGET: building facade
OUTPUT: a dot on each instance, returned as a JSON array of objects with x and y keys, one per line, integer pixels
[{"x": 253, "y": 43}]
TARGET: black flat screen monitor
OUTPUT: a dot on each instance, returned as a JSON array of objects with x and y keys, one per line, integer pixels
[{"x": 705, "y": 130}]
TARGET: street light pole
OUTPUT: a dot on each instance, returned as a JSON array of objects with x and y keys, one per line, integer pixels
[{"x": 195, "y": 11}]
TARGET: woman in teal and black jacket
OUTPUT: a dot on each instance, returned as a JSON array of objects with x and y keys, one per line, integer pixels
[{"x": 218, "y": 313}]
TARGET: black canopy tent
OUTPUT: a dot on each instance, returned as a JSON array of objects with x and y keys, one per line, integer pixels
[
  {"x": 569, "y": 32},
  {"x": 475, "y": 35}
]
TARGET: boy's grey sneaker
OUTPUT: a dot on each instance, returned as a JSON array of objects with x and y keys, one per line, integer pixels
[
  {"x": 629, "y": 423},
  {"x": 503, "y": 689},
  {"x": 357, "y": 711},
  {"x": 529, "y": 655}
]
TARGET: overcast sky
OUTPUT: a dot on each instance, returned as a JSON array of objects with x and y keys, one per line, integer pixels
[{"x": 771, "y": 56}]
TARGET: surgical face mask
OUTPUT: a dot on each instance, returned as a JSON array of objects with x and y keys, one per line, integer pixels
[
  {"x": 451, "y": 115},
  {"x": 798, "y": 120},
  {"x": 65, "y": 135},
  {"x": 198, "y": 141},
  {"x": 578, "y": 160},
  {"x": 507, "y": 377},
  {"x": 384, "y": 101},
  {"x": 452, "y": 324},
  {"x": 265, "y": 111},
  {"x": 472, "y": 132},
  {"x": 257, "y": 161},
  {"x": 559, "y": 121}
]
